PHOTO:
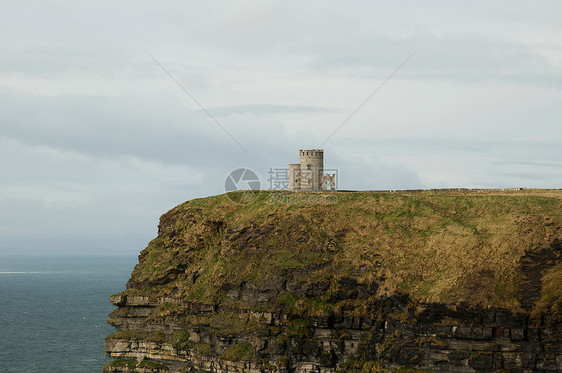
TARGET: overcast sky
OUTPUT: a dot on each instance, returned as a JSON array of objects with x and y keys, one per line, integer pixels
[{"x": 97, "y": 141}]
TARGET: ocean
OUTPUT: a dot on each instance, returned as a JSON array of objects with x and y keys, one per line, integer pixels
[{"x": 53, "y": 312}]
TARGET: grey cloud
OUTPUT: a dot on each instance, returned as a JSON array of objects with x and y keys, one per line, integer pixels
[
  {"x": 525, "y": 148},
  {"x": 468, "y": 58},
  {"x": 532, "y": 178},
  {"x": 375, "y": 175},
  {"x": 105, "y": 127},
  {"x": 121, "y": 144},
  {"x": 269, "y": 109},
  {"x": 43, "y": 61},
  {"x": 500, "y": 163},
  {"x": 554, "y": 165}
]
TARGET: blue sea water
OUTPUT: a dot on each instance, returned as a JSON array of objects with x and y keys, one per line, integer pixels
[{"x": 53, "y": 312}]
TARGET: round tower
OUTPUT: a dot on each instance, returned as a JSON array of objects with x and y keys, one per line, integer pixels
[
  {"x": 312, "y": 169},
  {"x": 294, "y": 176}
]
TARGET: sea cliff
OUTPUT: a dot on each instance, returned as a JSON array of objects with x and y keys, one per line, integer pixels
[{"x": 446, "y": 281}]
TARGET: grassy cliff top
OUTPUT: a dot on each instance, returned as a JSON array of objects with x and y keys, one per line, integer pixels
[{"x": 339, "y": 252}]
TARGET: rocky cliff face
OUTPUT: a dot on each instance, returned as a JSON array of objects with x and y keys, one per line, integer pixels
[{"x": 448, "y": 282}]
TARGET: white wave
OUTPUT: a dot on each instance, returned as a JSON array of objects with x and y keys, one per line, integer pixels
[{"x": 32, "y": 272}]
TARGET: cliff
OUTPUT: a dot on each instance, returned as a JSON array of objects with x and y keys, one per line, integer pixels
[{"x": 351, "y": 281}]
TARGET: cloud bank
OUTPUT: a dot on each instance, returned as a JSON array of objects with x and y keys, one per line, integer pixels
[{"x": 96, "y": 141}]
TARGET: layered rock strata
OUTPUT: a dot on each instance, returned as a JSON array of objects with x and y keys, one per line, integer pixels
[{"x": 304, "y": 288}]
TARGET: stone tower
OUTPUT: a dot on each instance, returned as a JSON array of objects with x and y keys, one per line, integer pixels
[{"x": 308, "y": 174}]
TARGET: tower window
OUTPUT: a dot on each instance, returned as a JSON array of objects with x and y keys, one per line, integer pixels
[{"x": 309, "y": 167}]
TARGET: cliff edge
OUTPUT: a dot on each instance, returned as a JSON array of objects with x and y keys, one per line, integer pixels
[{"x": 351, "y": 281}]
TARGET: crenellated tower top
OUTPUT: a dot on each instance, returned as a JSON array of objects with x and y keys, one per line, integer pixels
[{"x": 312, "y": 152}]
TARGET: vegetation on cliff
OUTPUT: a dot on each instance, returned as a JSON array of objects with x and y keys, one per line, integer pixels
[
  {"x": 349, "y": 281},
  {"x": 485, "y": 249}
]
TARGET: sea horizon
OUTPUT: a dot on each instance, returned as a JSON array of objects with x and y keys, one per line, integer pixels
[{"x": 54, "y": 309}]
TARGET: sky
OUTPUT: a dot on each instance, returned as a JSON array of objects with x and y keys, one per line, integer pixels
[{"x": 98, "y": 139}]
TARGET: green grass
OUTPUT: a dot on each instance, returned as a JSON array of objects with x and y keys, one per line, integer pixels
[
  {"x": 137, "y": 335},
  {"x": 133, "y": 363},
  {"x": 123, "y": 363},
  {"x": 550, "y": 301},
  {"x": 226, "y": 323},
  {"x": 204, "y": 348},
  {"x": 152, "y": 365},
  {"x": 180, "y": 340},
  {"x": 133, "y": 335},
  {"x": 298, "y": 328},
  {"x": 239, "y": 352},
  {"x": 304, "y": 306}
]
